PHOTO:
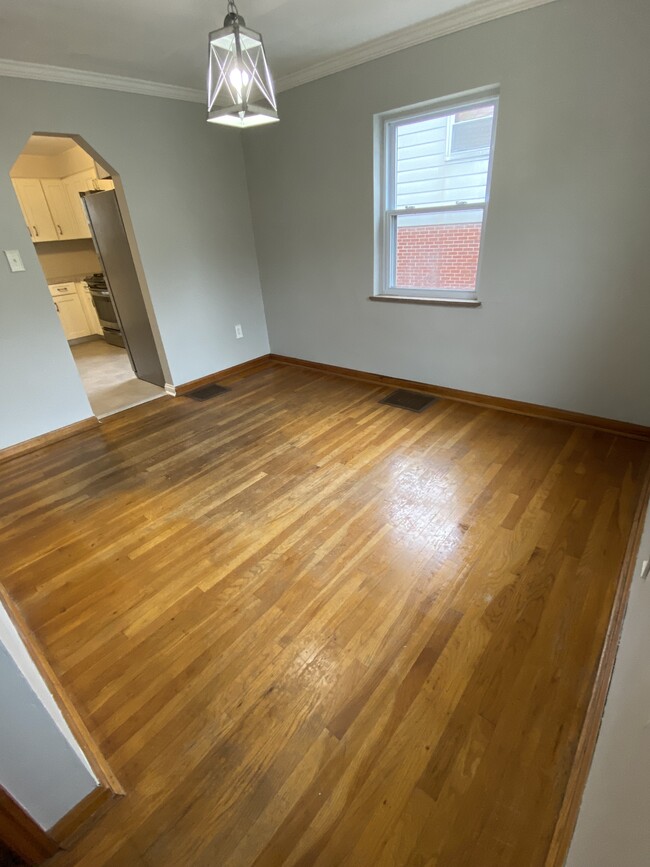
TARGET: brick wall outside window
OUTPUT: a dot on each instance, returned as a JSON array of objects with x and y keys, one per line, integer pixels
[{"x": 438, "y": 257}]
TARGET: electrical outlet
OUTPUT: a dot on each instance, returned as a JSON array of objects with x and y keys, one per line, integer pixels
[
  {"x": 15, "y": 260},
  {"x": 644, "y": 569},
  {"x": 238, "y": 331}
]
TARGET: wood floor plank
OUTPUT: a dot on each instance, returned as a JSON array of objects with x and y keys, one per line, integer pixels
[{"x": 309, "y": 629}]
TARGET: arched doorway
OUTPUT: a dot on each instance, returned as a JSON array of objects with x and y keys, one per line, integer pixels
[{"x": 76, "y": 214}]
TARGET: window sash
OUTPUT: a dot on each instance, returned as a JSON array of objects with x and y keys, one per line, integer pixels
[
  {"x": 406, "y": 118},
  {"x": 390, "y": 248}
]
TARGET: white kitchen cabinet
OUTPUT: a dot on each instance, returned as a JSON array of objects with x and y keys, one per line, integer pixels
[
  {"x": 102, "y": 184},
  {"x": 75, "y": 184},
  {"x": 34, "y": 206},
  {"x": 72, "y": 316},
  {"x": 83, "y": 292},
  {"x": 62, "y": 289},
  {"x": 52, "y": 206},
  {"x": 70, "y": 308},
  {"x": 58, "y": 200}
]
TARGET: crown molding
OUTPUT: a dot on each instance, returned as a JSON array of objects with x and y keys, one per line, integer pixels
[
  {"x": 63, "y": 75},
  {"x": 450, "y": 22}
]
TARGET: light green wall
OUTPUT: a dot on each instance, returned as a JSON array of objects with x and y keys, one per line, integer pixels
[
  {"x": 185, "y": 186},
  {"x": 565, "y": 288}
]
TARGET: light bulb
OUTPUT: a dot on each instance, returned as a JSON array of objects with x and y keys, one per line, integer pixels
[{"x": 239, "y": 79}]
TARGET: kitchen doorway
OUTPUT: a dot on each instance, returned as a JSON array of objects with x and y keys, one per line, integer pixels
[{"x": 78, "y": 222}]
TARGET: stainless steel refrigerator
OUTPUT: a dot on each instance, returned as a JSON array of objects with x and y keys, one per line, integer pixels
[{"x": 112, "y": 246}]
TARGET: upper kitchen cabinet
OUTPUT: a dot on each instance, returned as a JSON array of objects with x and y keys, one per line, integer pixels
[
  {"x": 36, "y": 211},
  {"x": 63, "y": 215},
  {"x": 52, "y": 206},
  {"x": 99, "y": 184},
  {"x": 84, "y": 182},
  {"x": 80, "y": 182}
]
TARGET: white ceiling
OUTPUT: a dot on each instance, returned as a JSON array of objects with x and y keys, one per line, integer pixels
[
  {"x": 47, "y": 146},
  {"x": 166, "y": 40}
]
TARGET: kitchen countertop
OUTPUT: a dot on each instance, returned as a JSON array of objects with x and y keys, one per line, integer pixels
[{"x": 74, "y": 278}]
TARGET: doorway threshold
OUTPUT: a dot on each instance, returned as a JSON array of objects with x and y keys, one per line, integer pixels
[
  {"x": 135, "y": 403},
  {"x": 109, "y": 380}
]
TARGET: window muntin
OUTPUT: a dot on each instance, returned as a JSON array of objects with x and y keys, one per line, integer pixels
[{"x": 434, "y": 205}]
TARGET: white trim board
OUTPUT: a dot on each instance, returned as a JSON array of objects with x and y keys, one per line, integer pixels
[
  {"x": 465, "y": 16},
  {"x": 442, "y": 25},
  {"x": 63, "y": 75}
]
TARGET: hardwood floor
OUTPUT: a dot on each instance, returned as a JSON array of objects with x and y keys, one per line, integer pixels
[{"x": 309, "y": 629}]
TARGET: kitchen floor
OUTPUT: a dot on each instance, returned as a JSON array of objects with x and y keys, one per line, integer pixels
[{"x": 108, "y": 378}]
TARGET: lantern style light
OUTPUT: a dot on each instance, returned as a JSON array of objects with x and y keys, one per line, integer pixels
[{"x": 240, "y": 87}]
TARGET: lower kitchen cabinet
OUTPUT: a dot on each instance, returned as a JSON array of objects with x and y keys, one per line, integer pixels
[
  {"x": 71, "y": 310},
  {"x": 83, "y": 292},
  {"x": 72, "y": 316}
]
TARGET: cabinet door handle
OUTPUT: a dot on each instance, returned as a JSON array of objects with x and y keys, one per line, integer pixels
[
  {"x": 35, "y": 231},
  {"x": 60, "y": 229},
  {"x": 57, "y": 307}
]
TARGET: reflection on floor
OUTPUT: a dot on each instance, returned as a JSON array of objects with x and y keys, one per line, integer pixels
[{"x": 108, "y": 378}]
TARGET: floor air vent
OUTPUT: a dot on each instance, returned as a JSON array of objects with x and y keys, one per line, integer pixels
[
  {"x": 414, "y": 401},
  {"x": 207, "y": 392}
]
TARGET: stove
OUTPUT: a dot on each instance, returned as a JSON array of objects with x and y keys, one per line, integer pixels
[{"x": 103, "y": 302}]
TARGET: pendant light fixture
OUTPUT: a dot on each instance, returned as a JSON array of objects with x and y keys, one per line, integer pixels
[{"x": 240, "y": 87}]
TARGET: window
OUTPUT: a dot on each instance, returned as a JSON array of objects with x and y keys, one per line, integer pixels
[
  {"x": 469, "y": 133},
  {"x": 436, "y": 166}
]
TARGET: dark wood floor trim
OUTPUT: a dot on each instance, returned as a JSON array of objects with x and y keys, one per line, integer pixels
[
  {"x": 47, "y": 439},
  {"x": 20, "y": 833},
  {"x": 94, "y": 756},
  {"x": 614, "y": 426},
  {"x": 68, "y": 828},
  {"x": 244, "y": 368},
  {"x": 565, "y": 827}
]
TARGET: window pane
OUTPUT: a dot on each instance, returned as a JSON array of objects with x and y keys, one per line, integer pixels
[
  {"x": 470, "y": 137},
  {"x": 428, "y": 170},
  {"x": 438, "y": 251}
]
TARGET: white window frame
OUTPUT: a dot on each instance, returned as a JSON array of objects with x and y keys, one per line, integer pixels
[{"x": 386, "y": 213}]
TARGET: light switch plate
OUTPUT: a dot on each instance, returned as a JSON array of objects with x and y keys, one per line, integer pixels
[{"x": 15, "y": 260}]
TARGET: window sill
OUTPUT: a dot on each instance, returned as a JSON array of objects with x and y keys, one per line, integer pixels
[{"x": 414, "y": 299}]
